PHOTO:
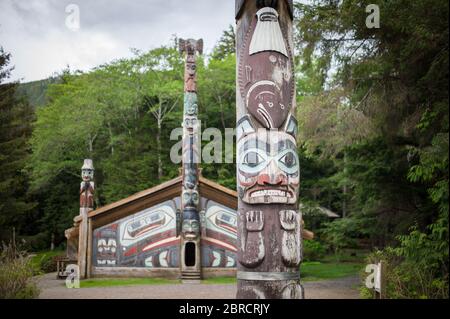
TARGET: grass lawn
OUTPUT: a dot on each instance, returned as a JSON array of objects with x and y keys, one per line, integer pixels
[
  {"x": 310, "y": 271},
  {"x": 109, "y": 282},
  {"x": 313, "y": 271}
]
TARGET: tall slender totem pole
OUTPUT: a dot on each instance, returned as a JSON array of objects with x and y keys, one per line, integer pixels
[
  {"x": 190, "y": 229},
  {"x": 86, "y": 205},
  {"x": 268, "y": 172}
]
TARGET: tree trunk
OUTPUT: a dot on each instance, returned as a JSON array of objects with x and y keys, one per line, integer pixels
[
  {"x": 222, "y": 118},
  {"x": 158, "y": 145},
  {"x": 52, "y": 243},
  {"x": 344, "y": 188},
  {"x": 111, "y": 140}
]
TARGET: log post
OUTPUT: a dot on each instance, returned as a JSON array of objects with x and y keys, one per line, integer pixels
[
  {"x": 268, "y": 172},
  {"x": 86, "y": 205},
  {"x": 190, "y": 229}
]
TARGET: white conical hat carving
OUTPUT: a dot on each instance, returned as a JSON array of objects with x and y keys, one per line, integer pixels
[
  {"x": 88, "y": 164},
  {"x": 267, "y": 35}
]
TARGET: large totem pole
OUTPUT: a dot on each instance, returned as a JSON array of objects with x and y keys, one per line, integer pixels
[
  {"x": 268, "y": 172},
  {"x": 190, "y": 228},
  {"x": 86, "y": 205}
]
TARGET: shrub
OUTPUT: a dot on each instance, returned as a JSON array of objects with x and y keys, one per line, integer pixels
[
  {"x": 344, "y": 233},
  {"x": 313, "y": 250},
  {"x": 418, "y": 268},
  {"x": 45, "y": 262},
  {"x": 36, "y": 242},
  {"x": 16, "y": 273}
]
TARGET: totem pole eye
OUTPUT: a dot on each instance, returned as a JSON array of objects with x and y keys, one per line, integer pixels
[
  {"x": 288, "y": 162},
  {"x": 252, "y": 161}
]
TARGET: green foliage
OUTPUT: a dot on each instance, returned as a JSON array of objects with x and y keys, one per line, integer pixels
[
  {"x": 16, "y": 273},
  {"x": 48, "y": 262},
  {"x": 16, "y": 116},
  {"x": 226, "y": 45},
  {"x": 343, "y": 233},
  {"x": 45, "y": 261},
  {"x": 34, "y": 92},
  {"x": 121, "y": 115},
  {"x": 313, "y": 250},
  {"x": 409, "y": 277},
  {"x": 313, "y": 271},
  {"x": 374, "y": 108}
]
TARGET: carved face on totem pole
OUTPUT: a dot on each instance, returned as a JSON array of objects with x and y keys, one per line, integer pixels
[
  {"x": 87, "y": 171},
  {"x": 265, "y": 71},
  {"x": 190, "y": 104},
  {"x": 190, "y": 228},
  {"x": 268, "y": 165},
  {"x": 190, "y": 176},
  {"x": 190, "y": 123},
  {"x": 87, "y": 185},
  {"x": 190, "y": 198},
  {"x": 190, "y": 46}
]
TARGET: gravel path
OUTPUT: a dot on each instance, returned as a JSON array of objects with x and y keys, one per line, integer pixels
[{"x": 344, "y": 288}]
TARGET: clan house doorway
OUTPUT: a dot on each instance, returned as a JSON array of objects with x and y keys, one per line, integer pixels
[{"x": 189, "y": 254}]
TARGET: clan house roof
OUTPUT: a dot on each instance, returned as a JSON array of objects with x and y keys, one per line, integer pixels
[{"x": 157, "y": 194}]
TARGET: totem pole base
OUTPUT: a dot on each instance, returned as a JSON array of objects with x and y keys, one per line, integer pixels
[{"x": 279, "y": 289}]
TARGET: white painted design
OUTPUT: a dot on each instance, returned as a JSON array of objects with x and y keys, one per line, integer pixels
[
  {"x": 149, "y": 222},
  {"x": 261, "y": 108},
  {"x": 267, "y": 35},
  {"x": 291, "y": 245},
  {"x": 216, "y": 259},
  {"x": 163, "y": 259},
  {"x": 149, "y": 262},
  {"x": 220, "y": 243},
  {"x": 292, "y": 291},
  {"x": 158, "y": 243},
  {"x": 221, "y": 219},
  {"x": 230, "y": 261}
]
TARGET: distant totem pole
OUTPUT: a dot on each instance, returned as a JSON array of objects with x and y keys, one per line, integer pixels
[
  {"x": 86, "y": 205},
  {"x": 190, "y": 227},
  {"x": 268, "y": 172}
]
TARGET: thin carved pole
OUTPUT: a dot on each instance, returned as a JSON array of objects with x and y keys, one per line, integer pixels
[
  {"x": 86, "y": 205},
  {"x": 268, "y": 172},
  {"x": 190, "y": 229}
]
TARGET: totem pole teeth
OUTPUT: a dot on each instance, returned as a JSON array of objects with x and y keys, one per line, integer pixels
[{"x": 270, "y": 192}]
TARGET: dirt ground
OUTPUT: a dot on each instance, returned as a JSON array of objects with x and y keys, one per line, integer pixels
[{"x": 51, "y": 288}]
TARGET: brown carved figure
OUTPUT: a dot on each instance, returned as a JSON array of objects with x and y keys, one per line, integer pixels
[
  {"x": 291, "y": 242},
  {"x": 254, "y": 250},
  {"x": 190, "y": 46},
  {"x": 87, "y": 185},
  {"x": 265, "y": 70}
]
